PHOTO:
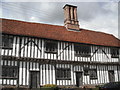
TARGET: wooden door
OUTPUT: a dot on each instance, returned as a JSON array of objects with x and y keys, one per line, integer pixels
[
  {"x": 79, "y": 79},
  {"x": 111, "y": 76},
  {"x": 34, "y": 79}
]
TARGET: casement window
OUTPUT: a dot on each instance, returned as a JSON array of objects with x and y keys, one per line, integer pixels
[
  {"x": 7, "y": 42},
  {"x": 114, "y": 52},
  {"x": 86, "y": 71},
  {"x": 51, "y": 46},
  {"x": 93, "y": 73},
  {"x": 63, "y": 73},
  {"x": 82, "y": 50},
  {"x": 9, "y": 71}
]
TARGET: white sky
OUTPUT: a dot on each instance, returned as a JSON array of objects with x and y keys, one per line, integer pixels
[{"x": 94, "y": 15}]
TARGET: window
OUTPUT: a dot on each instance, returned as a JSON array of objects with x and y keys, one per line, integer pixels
[
  {"x": 50, "y": 46},
  {"x": 63, "y": 73},
  {"x": 114, "y": 52},
  {"x": 93, "y": 74},
  {"x": 86, "y": 71},
  {"x": 82, "y": 50},
  {"x": 9, "y": 71},
  {"x": 7, "y": 42}
]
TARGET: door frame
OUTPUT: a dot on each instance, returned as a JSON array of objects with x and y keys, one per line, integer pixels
[
  {"x": 76, "y": 76},
  {"x": 109, "y": 71},
  {"x": 30, "y": 77}
]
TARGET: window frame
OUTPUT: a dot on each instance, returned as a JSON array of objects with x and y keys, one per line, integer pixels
[
  {"x": 9, "y": 43},
  {"x": 94, "y": 71},
  {"x": 86, "y": 71},
  {"x": 114, "y": 52},
  {"x": 63, "y": 74},
  {"x": 54, "y": 43},
  {"x": 80, "y": 52},
  {"x": 6, "y": 72}
]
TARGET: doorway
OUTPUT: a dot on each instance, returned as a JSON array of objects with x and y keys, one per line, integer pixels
[
  {"x": 34, "y": 79},
  {"x": 79, "y": 79},
  {"x": 111, "y": 76}
]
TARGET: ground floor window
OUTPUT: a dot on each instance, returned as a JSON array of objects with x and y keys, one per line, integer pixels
[
  {"x": 63, "y": 73},
  {"x": 9, "y": 71},
  {"x": 93, "y": 73},
  {"x": 86, "y": 71}
]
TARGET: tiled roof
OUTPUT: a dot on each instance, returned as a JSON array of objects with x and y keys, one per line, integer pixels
[{"x": 58, "y": 33}]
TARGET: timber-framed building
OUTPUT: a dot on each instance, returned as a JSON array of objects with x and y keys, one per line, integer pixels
[{"x": 35, "y": 54}]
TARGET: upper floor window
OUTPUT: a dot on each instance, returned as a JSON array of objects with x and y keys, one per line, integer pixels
[
  {"x": 114, "y": 52},
  {"x": 9, "y": 71},
  {"x": 82, "y": 50},
  {"x": 51, "y": 46},
  {"x": 7, "y": 42},
  {"x": 63, "y": 73}
]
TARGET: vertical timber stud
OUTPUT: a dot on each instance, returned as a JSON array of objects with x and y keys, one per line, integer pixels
[
  {"x": 55, "y": 73},
  {"x": 18, "y": 62},
  {"x": 118, "y": 72}
]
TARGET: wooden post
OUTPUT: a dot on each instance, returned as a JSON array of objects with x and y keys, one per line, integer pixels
[{"x": 18, "y": 62}]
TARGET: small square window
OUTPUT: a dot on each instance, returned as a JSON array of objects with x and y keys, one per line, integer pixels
[
  {"x": 63, "y": 73},
  {"x": 82, "y": 50},
  {"x": 7, "y": 42},
  {"x": 93, "y": 73},
  {"x": 51, "y": 47},
  {"x": 9, "y": 71},
  {"x": 114, "y": 52}
]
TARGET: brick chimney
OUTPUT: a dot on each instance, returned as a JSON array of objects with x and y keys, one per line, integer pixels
[{"x": 71, "y": 20}]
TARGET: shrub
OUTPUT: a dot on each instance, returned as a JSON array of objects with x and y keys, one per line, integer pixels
[{"x": 50, "y": 85}]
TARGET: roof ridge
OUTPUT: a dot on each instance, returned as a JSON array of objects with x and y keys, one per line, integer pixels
[{"x": 29, "y": 22}]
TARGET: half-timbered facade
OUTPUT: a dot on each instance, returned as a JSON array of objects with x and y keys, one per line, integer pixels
[{"x": 35, "y": 54}]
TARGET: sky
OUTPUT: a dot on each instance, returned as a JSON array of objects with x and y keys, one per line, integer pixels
[{"x": 94, "y": 15}]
